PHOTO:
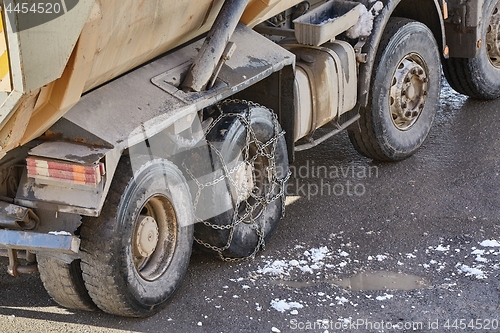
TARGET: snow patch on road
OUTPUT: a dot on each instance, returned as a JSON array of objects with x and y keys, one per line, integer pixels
[
  {"x": 341, "y": 300},
  {"x": 472, "y": 271},
  {"x": 277, "y": 267},
  {"x": 318, "y": 254},
  {"x": 384, "y": 297},
  {"x": 490, "y": 243},
  {"x": 442, "y": 248},
  {"x": 282, "y": 305},
  {"x": 312, "y": 260}
]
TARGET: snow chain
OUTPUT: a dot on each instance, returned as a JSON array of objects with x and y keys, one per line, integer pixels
[{"x": 276, "y": 188}]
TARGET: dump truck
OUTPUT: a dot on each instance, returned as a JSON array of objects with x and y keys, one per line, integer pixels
[{"x": 131, "y": 130}]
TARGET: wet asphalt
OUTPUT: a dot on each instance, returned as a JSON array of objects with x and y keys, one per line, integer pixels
[{"x": 364, "y": 247}]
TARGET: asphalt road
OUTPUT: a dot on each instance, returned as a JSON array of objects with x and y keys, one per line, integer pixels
[{"x": 368, "y": 247}]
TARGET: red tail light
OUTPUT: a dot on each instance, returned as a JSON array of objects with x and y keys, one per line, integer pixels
[{"x": 61, "y": 171}]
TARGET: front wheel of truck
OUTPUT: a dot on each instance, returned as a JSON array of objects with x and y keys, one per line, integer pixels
[
  {"x": 479, "y": 77},
  {"x": 404, "y": 94},
  {"x": 135, "y": 254}
]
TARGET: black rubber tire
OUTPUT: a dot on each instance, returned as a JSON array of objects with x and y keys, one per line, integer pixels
[
  {"x": 475, "y": 77},
  {"x": 229, "y": 136},
  {"x": 377, "y": 136},
  {"x": 109, "y": 272},
  {"x": 64, "y": 283}
]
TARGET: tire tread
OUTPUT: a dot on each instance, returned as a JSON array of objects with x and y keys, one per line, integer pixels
[
  {"x": 64, "y": 283},
  {"x": 364, "y": 140},
  {"x": 96, "y": 258},
  {"x": 458, "y": 74}
]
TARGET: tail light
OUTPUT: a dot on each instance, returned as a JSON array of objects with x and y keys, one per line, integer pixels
[{"x": 60, "y": 171}]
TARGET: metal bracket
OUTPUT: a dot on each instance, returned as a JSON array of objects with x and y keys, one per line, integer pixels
[
  {"x": 361, "y": 57},
  {"x": 337, "y": 128},
  {"x": 228, "y": 52},
  {"x": 17, "y": 217},
  {"x": 15, "y": 268}
]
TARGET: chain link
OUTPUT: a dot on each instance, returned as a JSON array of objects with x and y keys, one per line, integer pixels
[{"x": 256, "y": 201}]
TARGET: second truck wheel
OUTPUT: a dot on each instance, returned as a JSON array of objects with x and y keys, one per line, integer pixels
[
  {"x": 404, "y": 93},
  {"x": 64, "y": 283},
  {"x": 249, "y": 158}
]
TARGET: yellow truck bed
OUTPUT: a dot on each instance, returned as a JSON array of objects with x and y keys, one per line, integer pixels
[{"x": 50, "y": 59}]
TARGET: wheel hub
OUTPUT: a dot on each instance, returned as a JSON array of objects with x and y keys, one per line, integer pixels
[
  {"x": 147, "y": 236},
  {"x": 408, "y": 93},
  {"x": 493, "y": 37},
  {"x": 247, "y": 178},
  {"x": 244, "y": 181}
]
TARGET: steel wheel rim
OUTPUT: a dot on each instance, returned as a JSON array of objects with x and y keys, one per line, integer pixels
[
  {"x": 408, "y": 91},
  {"x": 152, "y": 257},
  {"x": 493, "y": 37}
]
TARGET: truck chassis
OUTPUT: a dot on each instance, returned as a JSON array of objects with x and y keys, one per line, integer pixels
[{"x": 196, "y": 143}]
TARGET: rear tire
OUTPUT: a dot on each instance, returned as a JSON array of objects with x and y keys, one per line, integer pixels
[
  {"x": 135, "y": 255},
  {"x": 479, "y": 77},
  {"x": 404, "y": 94},
  {"x": 64, "y": 283}
]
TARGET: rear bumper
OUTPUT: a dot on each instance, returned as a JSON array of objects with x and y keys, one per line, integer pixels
[{"x": 38, "y": 242}]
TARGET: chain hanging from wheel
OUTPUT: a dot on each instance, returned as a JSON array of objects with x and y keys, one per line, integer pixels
[{"x": 239, "y": 203}]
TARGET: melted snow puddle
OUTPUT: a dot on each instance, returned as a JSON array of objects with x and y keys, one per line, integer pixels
[
  {"x": 369, "y": 281},
  {"x": 382, "y": 280}
]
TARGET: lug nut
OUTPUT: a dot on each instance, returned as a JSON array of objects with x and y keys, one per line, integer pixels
[
  {"x": 424, "y": 80},
  {"x": 408, "y": 114},
  {"x": 425, "y": 92},
  {"x": 415, "y": 114},
  {"x": 420, "y": 71},
  {"x": 407, "y": 79},
  {"x": 404, "y": 105}
]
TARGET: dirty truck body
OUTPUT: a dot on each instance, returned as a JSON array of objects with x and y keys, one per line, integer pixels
[{"x": 127, "y": 127}]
